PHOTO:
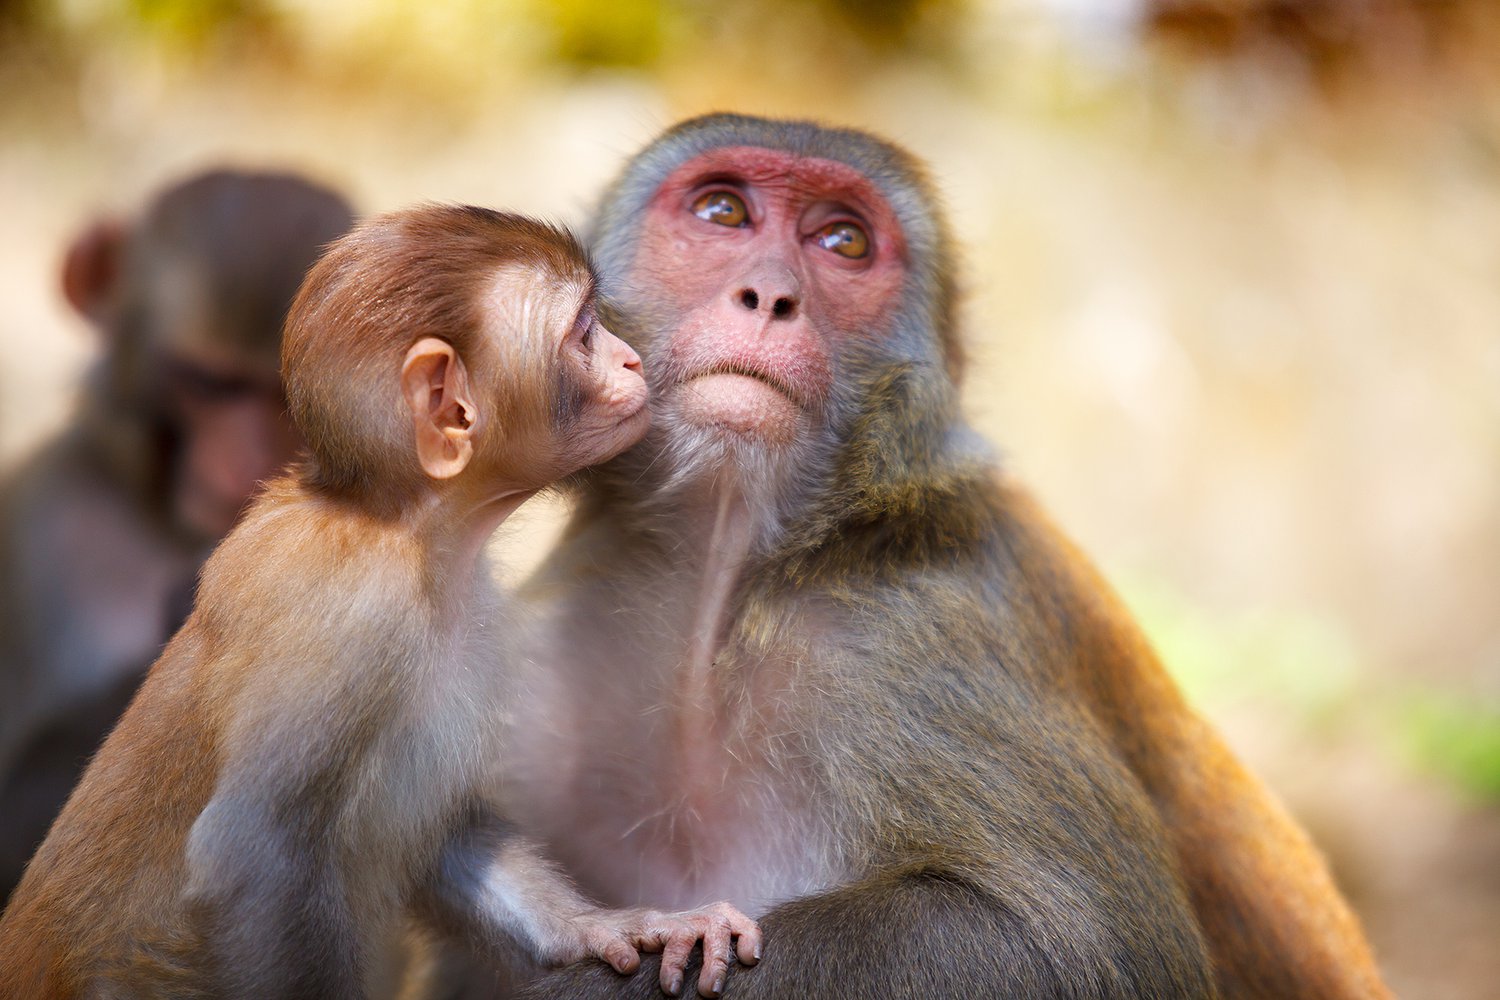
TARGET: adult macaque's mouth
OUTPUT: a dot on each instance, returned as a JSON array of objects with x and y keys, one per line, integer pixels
[
  {"x": 748, "y": 404},
  {"x": 751, "y": 372}
]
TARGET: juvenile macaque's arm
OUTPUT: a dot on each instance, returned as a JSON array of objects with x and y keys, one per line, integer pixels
[{"x": 493, "y": 885}]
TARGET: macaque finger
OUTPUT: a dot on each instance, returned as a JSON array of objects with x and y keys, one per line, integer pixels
[
  {"x": 747, "y": 938},
  {"x": 739, "y": 926},
  {"x": 717, "y": 954},
  {"x": 674, "y": 958},
  {"x": 620, "y": 955}
]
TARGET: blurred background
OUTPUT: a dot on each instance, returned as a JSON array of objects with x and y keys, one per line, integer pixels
[{"x": 1233, "y": 274}]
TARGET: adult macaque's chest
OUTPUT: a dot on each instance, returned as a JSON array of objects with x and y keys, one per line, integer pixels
[{"x": 647, "y": 795}]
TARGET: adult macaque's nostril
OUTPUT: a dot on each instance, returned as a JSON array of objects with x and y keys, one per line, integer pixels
[{"x": 782, "y": 303}]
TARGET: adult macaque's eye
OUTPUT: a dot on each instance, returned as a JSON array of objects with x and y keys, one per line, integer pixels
[
  {"x": 845, "y": 239},
  {"x": 722, "y": 207}
]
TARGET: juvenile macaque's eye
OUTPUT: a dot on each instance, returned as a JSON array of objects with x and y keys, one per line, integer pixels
[
  {"x": 845, "y": 239},
  {"x": 584, "y": 324},
  {"x": 722, "y": 207}
]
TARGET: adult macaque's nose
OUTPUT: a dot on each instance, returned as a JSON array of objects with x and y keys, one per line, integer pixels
[{"x": 772, "y": 288}]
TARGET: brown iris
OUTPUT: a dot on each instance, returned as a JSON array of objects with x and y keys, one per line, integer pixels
[
  {"x": 722, "y": 207},
  {"x": 845, "y": 239}
]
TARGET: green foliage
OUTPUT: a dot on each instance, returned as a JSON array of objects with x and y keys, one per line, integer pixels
[
  {"x": 1293, "y": 660},
  {"x": 1301, "y": 664},
  {"x": 1455, "y": 737}
]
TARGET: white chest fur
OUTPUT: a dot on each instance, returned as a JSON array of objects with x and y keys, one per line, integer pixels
[{"x": 641, "y": 804}]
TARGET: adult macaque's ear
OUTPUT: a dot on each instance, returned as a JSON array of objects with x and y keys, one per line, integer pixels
[
  {"x": 435, "y": 385},
  {"x": 91, "y": 270}
]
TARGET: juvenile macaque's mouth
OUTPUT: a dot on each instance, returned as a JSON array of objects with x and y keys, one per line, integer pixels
[{"x": 642, "y": 402}]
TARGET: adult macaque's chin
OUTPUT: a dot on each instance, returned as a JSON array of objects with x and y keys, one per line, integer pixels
[{"x": 742, "y": 404}]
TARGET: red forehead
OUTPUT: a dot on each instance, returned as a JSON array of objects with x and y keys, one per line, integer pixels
[{"x": 798, "y": 178}]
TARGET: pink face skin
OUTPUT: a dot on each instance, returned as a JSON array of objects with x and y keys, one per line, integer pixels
[
  {"x": 235, "y": 434},
  {"x": 760, "y": 298}
]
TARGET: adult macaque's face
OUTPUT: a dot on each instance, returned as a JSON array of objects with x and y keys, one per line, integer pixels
[{"x": 760, "y": 266}]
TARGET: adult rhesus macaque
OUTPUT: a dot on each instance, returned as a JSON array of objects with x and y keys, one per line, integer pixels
[
  {"x": 817, "y": 655},
  {"x": 103, "y": 529},
  {"x": 298, "y": 773}
]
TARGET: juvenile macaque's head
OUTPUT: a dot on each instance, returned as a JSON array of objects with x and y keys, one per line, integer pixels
[{"x": 456, "y": 349}]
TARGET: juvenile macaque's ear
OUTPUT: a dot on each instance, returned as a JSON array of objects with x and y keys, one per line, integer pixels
[
  {"x": 91, "y": 270},
  {"x": 435, "y": 384}
]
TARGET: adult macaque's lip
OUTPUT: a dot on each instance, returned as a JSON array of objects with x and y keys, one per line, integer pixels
[
  {"x": 743, "y": 403},
  {"x": 748, "y": 371}
]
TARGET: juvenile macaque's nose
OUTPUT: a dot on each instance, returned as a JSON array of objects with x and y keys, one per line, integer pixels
[{"x": 626, "y": 356}]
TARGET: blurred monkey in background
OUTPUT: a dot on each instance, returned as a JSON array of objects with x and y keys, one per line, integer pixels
[{"x": 103, "y": 528}]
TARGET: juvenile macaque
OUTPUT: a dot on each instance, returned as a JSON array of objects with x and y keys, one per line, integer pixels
[{"x": 298, "y": 774}]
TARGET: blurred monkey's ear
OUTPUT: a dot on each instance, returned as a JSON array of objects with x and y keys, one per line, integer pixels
[{"x": 91, "y": 270}]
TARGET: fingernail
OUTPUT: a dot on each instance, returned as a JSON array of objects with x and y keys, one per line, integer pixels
[
  {"x": 757, "y": 951},
  {"x": 718, "y": 986},
  {"x": 675, "y": 986}
]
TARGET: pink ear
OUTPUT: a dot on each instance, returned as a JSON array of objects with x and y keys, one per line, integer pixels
[{"x": 91, "y": 269}]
